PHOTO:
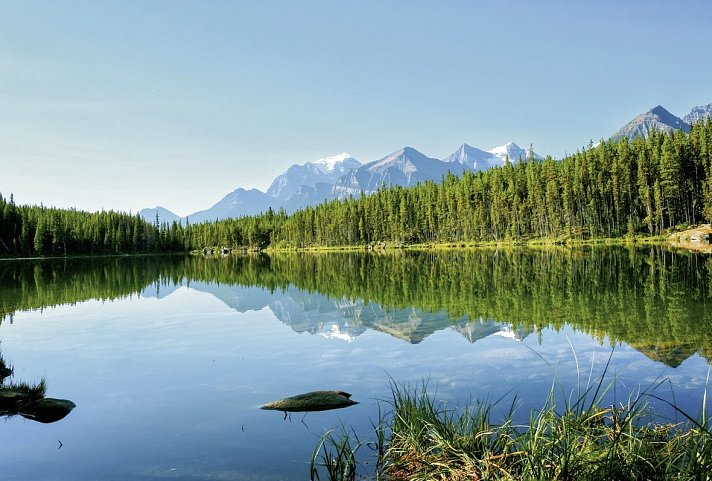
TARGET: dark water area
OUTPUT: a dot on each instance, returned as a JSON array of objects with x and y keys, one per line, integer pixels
[{"x": 169, "y": 358}]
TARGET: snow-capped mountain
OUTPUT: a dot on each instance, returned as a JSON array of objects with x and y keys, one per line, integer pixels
[
  {"x": 476, "y": 159},
  {"x": 310, "y": 174},
  {"x": 656, "y": 118},
  {"x": 342, "y": 175},
  {"x": 513, "y": 153},
  {"x": 472, "y": 157},
  {"x": 337, "y": 165},
  {"x": 698, "y": 114},
  {"x": 287, "y": 184},
  {"x": 404, "y": 167}
]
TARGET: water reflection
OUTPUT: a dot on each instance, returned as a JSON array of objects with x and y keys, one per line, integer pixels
[
  {"x": 170, "y": 388},
  {"x": 652, "y": 298},
  {"x": 29, "y": 401}
]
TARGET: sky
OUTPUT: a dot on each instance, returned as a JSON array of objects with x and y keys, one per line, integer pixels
[{"x": 131, "y": 104}]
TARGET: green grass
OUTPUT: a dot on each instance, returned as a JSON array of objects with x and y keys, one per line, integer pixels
[
  {"x": 336, "y": 455},
  {"x": 582, "y": 438}
]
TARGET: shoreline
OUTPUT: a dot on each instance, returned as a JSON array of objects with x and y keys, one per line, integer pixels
[
  {"x": 391, "y": 247},
  {"x": 677, "y": 240},
  {"x": 91, "y": 256}
]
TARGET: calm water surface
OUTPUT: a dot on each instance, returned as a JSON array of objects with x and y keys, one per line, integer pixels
[{"x": 169, "y": 359}]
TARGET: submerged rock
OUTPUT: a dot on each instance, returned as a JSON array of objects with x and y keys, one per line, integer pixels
[
  {"x": 312, "y": 401},
  {"x": 48, "y": 410}
]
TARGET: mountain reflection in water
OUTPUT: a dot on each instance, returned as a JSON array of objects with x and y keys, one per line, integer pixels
[{"x": 651, "y": 298}]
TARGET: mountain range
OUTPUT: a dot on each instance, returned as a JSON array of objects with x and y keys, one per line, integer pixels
[{"x": 341, "y": 175}]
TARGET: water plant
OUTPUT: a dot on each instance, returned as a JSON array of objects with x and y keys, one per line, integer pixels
[
  {"x": 336, "y": 454},
  {"x": 580, "y": 437}
]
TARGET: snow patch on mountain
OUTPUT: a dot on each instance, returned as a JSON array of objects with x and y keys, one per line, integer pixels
[
  {"x": 336, "y": 163},
  {"x": 476, "y": 159},
  {"x": 512, "y": 152}
]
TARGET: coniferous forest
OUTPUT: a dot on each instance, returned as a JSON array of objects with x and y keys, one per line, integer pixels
[
  {"x": 45, "y": 231},
  {"x": 613, "y": 189}
]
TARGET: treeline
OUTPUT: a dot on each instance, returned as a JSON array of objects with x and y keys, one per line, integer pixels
[
  {"x": 613, "y": 189},
  {"x": 45, "y": 231}
]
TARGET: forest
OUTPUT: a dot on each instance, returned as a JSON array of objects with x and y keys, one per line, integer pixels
[
  {"x": 612, "y": 189},
  {"x": 46, "y": 231}
]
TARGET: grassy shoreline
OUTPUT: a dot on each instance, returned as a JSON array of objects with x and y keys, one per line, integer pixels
[
  {"x": 391, "y": 247},
  {"x": 420, "y": 438},
  {"x": 385, "y": 246}
]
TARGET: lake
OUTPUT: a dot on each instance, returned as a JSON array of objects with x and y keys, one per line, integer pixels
[{"x": 169, "y": 358}]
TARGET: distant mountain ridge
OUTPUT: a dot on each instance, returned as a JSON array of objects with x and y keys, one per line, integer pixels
[
  {"x": 342, "y": 175},
  {"x": 476, "y": 159},
  {"x": 404, "y": 167},
  {"x": 698, "y": 114},
  {"x": 658, "y": 118},
  {"x": 237, "y": 203},
  {"x": 310, "y": 174},
  {"x": 164, "y": 215}
]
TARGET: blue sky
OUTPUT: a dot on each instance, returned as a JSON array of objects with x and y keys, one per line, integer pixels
[{"x": 131, "y": 104}]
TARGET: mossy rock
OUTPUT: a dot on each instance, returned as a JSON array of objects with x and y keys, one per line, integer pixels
[
  {"x": 312, "y": 401},
  {"x": 48, "y": 410}
]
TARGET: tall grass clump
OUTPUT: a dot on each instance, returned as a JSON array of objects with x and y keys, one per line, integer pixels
[
  {"x": 579, "y": 436},
  {"x": 431, "y": 441},
  {"x": 573, "y": 439}
]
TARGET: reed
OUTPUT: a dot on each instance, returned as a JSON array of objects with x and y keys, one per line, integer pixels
[
  {"x": 336, "y": 454},
  {"x": 567, "y": 439}
]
